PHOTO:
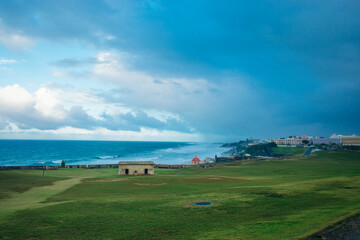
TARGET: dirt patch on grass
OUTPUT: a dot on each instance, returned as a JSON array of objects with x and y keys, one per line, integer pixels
[
  {"x": 109, "y": 180},
  {"x": 149, "y": 184}
]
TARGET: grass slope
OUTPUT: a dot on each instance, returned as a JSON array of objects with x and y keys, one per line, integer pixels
[
  {"x": 293, "y": 150},
  {"x": 276, "y": 199}
]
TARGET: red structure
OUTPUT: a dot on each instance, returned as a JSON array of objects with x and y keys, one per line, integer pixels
[{"x": 195, "y": 160}]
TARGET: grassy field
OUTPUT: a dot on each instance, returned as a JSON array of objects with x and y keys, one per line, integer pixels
[
  {"x": 275, "y": 199},
  {"x": 293, "y": 150}
]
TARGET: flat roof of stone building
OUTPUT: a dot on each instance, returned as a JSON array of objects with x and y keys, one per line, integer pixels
[{"x": 136, "y": 163}]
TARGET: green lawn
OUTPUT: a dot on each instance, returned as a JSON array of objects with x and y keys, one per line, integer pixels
[
  {"x": 275, "y": 199},
  {"x": 292, "y": 150}
]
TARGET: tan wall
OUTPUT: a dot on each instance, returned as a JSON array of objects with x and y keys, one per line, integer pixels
[
  {"x": 136, "y": 169},
  {"x": 351, "y": 141}
]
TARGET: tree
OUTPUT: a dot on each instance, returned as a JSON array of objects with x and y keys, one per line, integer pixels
[
  {"x": 272, "y": 144},
  {"x": 305, "y": 141}
]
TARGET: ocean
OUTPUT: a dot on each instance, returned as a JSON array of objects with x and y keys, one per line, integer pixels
[{"x": 52, "y": 152}]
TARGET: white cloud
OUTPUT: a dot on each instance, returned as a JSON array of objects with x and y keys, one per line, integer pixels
[
  {"x": 100, "y": 134},
  {"x": 48, "y": 104},
  {"x": 60, "y": 74},
  {"x": 15, "y": 98},
  {"x": 13, "y": 39},
  {"x": 165, "y": 94},
  {"x": 198, "y": 101},
  {"x": 103, "y": 36},
  {"x": 111, "y": 66},
  {"x": 7, "y": 61},
  {"x": 54, "y": 103},
  {"x": 142, "y": 90},
  {"x": 63, "y": 114}
]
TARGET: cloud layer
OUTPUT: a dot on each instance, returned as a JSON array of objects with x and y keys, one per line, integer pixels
[
  {"x": 234, "y": 69},
  {"x": 51, "y": 109}
]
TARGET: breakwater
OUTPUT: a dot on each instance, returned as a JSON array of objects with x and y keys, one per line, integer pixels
[{"x": 164, "y": 166}]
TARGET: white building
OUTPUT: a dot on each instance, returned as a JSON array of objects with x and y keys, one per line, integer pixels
[
  {"x": 318, "y": 141},
  {"x": 334, "y": 139},
  {"x": 290, "y": 141}
]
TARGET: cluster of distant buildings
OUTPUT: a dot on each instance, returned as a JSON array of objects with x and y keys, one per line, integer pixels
[
  {"x": 332, "y": 142},
  {"x": 334, "y": 139}
]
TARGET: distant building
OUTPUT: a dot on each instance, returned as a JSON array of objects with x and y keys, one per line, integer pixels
[
  {"x": 304, "y": 138},
  {"x": 333, "y": 139},
  {"x": 321, "y": 140},
  {"x": 277, "y": 141},
  {"x": 293, "y": 141},
  {"x": 195, "y": 160},
  {"x": 351, "y": 140},
  {"x": 136, "y": 168},
  {"x": 289, "y": 141}
]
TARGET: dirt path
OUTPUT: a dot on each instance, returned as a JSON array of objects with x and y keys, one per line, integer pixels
[{"x": 35, "y": 197}]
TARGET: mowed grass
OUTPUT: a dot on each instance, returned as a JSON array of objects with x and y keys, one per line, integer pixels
[
  {"x": 292, "y": 150},
  {"x": 21, "y": 181},
  {"x": 275, "y": 199}
]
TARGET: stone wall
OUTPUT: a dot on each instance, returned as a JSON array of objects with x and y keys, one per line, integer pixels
[
  {"x": 91, "y": 166},
  {"x": 29, "y": 167},
  {"x": 136, "y": 169}
]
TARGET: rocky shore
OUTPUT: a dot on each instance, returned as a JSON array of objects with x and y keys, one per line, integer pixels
[{"x": 348, "y": 229}]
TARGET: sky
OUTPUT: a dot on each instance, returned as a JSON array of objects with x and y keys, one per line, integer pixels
[{"x": 178, "y": 70}]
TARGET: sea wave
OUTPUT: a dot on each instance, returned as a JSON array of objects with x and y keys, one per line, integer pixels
[
  {"x": 107, "y": 157},
  {"x": 86, "y": 152},
  {"x": 141, "y": 159}
]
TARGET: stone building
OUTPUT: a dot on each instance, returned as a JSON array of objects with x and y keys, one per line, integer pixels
[
  {"x": 136, "y": 168},
  {"x": 351, "y": 140}
]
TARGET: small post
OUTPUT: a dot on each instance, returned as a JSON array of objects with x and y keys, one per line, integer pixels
[{"x": 44, "y": 170}]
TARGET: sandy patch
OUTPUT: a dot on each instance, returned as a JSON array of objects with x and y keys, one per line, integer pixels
[{"x": 110, "y": 180}]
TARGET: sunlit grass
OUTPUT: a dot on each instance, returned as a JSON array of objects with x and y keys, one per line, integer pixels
[
  {"x": 292, "y": 150},
  {"x": 275, "y": 199}
]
